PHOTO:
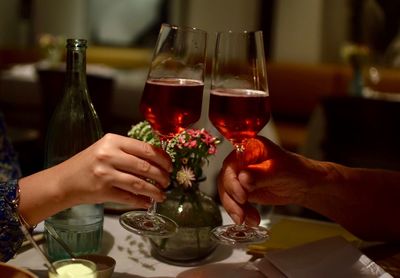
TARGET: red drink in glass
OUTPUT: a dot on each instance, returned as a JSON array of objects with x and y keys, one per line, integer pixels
[
  {"x": 171, "y": 104},
  {"x": 239, "y": 114}
]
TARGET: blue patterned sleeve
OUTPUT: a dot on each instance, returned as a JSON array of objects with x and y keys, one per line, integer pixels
[
  {"x": 11, "y": 236},
  {"x": 9, "y": 166}
]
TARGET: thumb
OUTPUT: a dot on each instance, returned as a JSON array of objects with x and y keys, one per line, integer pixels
[
  {"x": 254, "y": 175},
  {"x": 259, "y": 149},
  {"x": 252, "y": 216}
]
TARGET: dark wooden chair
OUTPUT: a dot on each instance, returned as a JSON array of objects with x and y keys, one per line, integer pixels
[{"x": 361, "y": 132}]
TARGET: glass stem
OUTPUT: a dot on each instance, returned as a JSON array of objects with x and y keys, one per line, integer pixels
[
  {"x": 151, "y": 211},
  {"x": 153, "y": 208},
  {"x": 239, "y": 155},
  {"x": 240, "y": 158}
]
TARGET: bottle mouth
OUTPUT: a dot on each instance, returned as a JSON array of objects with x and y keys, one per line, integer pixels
[{"x": 76, "y": 43}]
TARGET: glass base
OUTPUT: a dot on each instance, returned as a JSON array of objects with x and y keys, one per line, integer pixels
[
  {"x": 201, "y": 259},
  {"x": 239, "y": 234},
  {"x": 145, "y": 224}
]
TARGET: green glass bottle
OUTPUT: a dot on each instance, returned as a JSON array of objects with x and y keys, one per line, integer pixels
[{"x": 73, "y": 127}]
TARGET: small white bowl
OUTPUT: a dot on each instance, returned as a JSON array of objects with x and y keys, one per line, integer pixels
[{"x": 105, "y": 264}]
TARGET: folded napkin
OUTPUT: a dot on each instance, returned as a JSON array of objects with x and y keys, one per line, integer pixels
[{"x": 331, "y": 257}]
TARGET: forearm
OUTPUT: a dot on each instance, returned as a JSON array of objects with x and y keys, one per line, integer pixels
[{"x": 363, "y": 201}]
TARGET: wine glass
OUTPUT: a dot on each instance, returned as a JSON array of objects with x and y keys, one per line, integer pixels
[
  {"x": 239, "y": 108},
  {"x": 171, "y": 101}
]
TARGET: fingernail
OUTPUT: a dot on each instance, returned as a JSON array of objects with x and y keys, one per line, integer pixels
[
  {"x": 147, "y": 204},
  {"x": 235, "y": 218},
  {"x": 244, "y": 176},
  {"x": 238, "y": 198},
  {"x": 167, "y": 184},
  {"x": 251, "y": 222}
]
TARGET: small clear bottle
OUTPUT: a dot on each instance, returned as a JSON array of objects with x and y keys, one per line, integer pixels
[{"x": 73, "y": 127}]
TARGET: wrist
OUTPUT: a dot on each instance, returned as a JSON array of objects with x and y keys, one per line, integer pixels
[
  {"x": 304, "y": 175},
  {"x": 321, "y": 185},
  {"x": 42, "y": 195}
]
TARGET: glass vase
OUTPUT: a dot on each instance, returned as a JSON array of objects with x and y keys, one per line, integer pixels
[{"x": 196, "y": 215}]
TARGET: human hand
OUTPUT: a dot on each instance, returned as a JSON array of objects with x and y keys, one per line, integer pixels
[
  {"x": 115, "y": 169},
  {"x": 272, "y": 176}
]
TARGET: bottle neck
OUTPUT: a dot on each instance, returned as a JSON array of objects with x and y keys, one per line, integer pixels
[{"x": 76, "y": 66}]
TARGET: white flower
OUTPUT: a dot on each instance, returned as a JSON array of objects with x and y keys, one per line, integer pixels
[{"x": 185, "y": 176}]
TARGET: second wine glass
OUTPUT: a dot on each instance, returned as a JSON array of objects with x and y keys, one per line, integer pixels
[
  {"x": 239, "y": 108},
  {"x": 171, "y": 101}
]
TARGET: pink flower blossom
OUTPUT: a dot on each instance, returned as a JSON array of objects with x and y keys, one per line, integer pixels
[
  {"x": 193, "y": 132},
  {"x": 212, "y": 150},
  {"x": 192, "y": 144}
]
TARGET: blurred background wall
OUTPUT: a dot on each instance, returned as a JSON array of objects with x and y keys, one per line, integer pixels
[
  {"x": 304, "y": 42},
  {"x": 304, "y": 31}
]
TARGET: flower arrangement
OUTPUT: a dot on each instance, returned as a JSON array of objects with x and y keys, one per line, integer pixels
[
  {"x": 52, "y": 48},
  {"x": 189, "y": 150},
  {"x": 194, "y": 212}
]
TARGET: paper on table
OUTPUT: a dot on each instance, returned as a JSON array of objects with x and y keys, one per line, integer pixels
[
  {"x": 291, "y": 232},
  {"x": 332, "y": 257}
]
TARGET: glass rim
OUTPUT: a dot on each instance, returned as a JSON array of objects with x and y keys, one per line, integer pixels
[
  {"x": 77, "y": 260},
  {"x": 71, "y": 42},
  {"x": 239, "y": 33},
  {"x": 183, "y": 27}
]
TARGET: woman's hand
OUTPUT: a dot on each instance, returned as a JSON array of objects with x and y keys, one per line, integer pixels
[
  {"x": 117, "y": 169},
  {"x": 114, "y": 169}
]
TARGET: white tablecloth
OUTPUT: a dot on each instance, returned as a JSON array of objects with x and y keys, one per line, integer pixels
[
  {"x": 330, "y": 255},
  {"x": 132, "y": 254}
]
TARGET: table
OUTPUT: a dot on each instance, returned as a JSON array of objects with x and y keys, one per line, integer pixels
[
  {"x": 134, "y": 261},
  {"x": 132, "y": 254}
]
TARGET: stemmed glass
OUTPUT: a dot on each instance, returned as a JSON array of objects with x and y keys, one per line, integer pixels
[
  {"x": 171, "y": 101},
  {"x": 239, "y": 108}
]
